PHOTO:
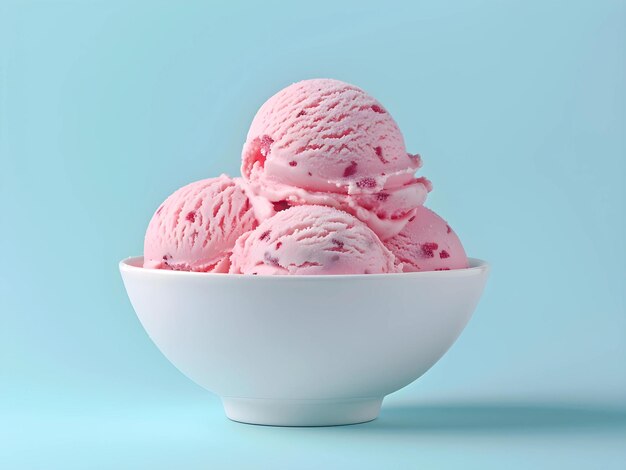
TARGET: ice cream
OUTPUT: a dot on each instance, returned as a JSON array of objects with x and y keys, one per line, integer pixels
[
  {"x": 327, "y": 187},
  {"x": 326, "y": 142},
  {"x": 195, "y": 229},
  {"x": 311, "y": 240},
  {"x": 427, "y": 243}
]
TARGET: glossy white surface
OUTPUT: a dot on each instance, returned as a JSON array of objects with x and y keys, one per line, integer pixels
[{"x": 330, "y": 342}]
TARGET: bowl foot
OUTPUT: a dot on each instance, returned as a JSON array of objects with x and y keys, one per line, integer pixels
[{"x": 301, "y": 412}]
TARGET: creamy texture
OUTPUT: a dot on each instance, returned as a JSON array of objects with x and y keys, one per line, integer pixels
[
  {"x": 327, "y": 187},
  {"x": 311, "y": 240},
  {"x": 196, "y": 227},
  {"x": 427, "y": 243},
  {"x": 327, "y": 142}
]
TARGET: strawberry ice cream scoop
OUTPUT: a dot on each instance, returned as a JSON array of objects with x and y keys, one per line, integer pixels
[
  {"x": 311, "y": 240},
  {"x": 427, "y": 243},
  {"x": 196, "y": 227},
  {"x": 327, "y": 142}
]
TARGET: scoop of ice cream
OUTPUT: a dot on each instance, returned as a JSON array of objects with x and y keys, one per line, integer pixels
[
  {"x": 427, "y": 243},
  {"x": 311, "y": 240},
  {"x": 327, "y": 142},
  {"x": 196, "y": 227}
]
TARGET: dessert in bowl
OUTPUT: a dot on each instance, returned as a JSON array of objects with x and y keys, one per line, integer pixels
[{"x": 315, "y": 284}]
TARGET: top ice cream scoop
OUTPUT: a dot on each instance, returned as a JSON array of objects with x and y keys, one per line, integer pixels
[{"x": 327, "y": 142}]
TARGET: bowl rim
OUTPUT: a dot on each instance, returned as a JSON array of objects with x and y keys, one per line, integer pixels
[{"x": 133, "y": 264}]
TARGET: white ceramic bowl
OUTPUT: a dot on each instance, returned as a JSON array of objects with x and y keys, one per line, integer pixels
[{"x": 303, "y": 350}]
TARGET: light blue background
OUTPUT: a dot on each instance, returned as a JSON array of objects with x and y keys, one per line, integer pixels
[{"x": 519, "y": 111}]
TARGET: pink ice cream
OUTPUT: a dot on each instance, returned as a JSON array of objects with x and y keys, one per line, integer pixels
[
  {"x": 326, "y": 142},
  {"x": 196, "y": 227},
  {"x": 311, "y": 240},
  {"x": 427, "y": 243}
]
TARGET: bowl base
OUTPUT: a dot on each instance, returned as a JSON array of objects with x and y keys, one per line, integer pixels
[{"x": 301, "y": 412}]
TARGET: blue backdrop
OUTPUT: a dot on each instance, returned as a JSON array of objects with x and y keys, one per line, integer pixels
[{"x": 519, "y": 111}]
